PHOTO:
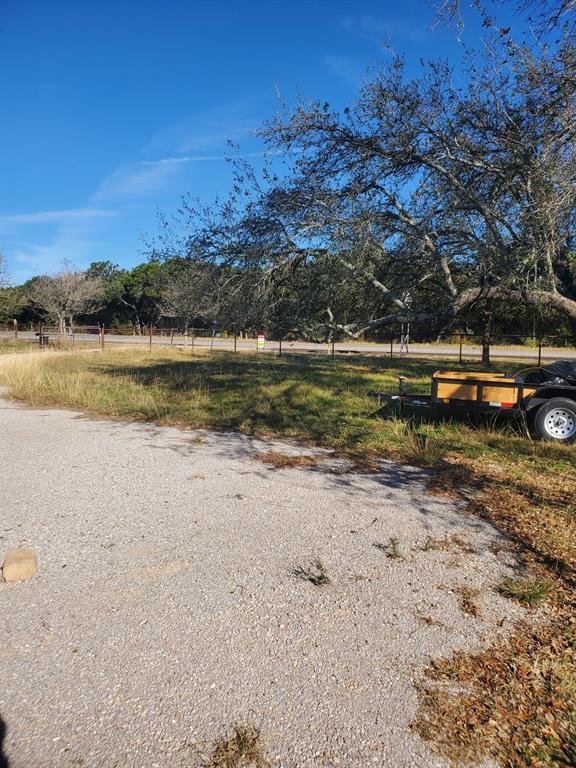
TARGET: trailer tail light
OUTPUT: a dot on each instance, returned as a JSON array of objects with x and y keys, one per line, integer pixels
[{"x": 501, "y": 405}]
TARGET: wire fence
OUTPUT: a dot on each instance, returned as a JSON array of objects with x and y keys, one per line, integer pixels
[{"x": 460, "y": 347}]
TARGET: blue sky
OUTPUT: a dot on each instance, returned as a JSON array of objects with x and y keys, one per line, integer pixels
[{"x": 112, "y": 110}]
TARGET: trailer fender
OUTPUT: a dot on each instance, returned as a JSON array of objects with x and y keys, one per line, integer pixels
[{"x": 544, "y": 394}]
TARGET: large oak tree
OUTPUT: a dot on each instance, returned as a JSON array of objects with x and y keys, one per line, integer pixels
[{"x": 445, "y": 194}]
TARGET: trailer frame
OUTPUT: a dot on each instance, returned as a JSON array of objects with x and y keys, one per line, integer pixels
[{"x": 526, "y": 406}]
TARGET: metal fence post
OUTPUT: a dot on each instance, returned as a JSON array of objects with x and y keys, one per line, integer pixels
[
  {"x": 150, "y": 339},
  {"x": 540, "y": 351},
  {"x": 235, "y": 341},
  {"x": 460, "y": 350},
  {"x": 15, "y": 329},
  {"x": 333, "y": 350},
  {"x": 280, "y": 347}
]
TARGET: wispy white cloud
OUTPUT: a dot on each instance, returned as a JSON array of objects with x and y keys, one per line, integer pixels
[
  {"x": 54, "y": 217},
  {"x": 149, "y": 176},
  {"x": 35, "y": 259},
  {"x": 135, "y": 181},
  {"x": 200, "y": 158},
  {"x": 78, "y": 234},
  {"x": 74, "y": 235},
  {"x": 345, "y": 68},
  {"x": 205, "y": 130},
  {"x": 385, "y": 31}
]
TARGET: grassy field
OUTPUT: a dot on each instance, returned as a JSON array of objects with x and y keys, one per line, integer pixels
[
  {"x": 517, "y": 701},
  {"x": 9, "y": 346}
]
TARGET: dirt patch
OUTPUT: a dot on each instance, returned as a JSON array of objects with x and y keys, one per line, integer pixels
[{"x": 279, "y": 460}]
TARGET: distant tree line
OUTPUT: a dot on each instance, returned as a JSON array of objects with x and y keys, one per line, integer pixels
[{"x": 185, "y": 295}]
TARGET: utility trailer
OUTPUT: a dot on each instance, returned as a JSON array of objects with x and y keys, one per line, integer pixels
[{"x": 545, "y": 396}]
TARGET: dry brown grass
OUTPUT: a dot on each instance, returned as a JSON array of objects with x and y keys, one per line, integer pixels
[
  {"x": 467, "y": 599},
  {"x": 453, "y": 543},
  {"x": 514, "y": 702}
]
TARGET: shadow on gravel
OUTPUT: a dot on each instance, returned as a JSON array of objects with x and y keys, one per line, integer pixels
[{"x": 4, "y": 763}]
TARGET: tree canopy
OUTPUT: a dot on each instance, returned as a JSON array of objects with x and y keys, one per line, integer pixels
[{"x": 443, "y": 194}]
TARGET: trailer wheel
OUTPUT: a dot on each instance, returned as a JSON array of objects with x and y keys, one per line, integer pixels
[{"x": 556, "y": 420}]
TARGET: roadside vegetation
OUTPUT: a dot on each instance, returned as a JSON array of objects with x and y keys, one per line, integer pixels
[
  {"x": 12, "y": 346},
  {"x": 9, "y": 346},
  {"x": 514, "y": 702}
]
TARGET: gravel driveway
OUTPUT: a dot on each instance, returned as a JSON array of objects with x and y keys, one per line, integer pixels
[{"x": 165, "y": 609}]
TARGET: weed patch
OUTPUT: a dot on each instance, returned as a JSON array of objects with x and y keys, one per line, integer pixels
[
  {"x": 393, "y": 550},
  {"x": 242, "y": 749},
  {"x": 530, "y": 592},
  {"x": 314, "y": 573},
  {"x": 422, "y": 446}
]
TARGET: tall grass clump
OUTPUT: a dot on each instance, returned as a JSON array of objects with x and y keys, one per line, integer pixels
[
  {"x": 68, "y": 382},
  {"x": 420, "y": 444},
  {"x": 35, "y": 382}
]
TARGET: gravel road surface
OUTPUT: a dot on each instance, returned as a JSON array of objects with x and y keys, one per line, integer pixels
[{"x": 165, "y": 609}]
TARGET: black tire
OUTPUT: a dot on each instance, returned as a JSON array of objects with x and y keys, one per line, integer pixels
[{"x": 556, "y": 420}]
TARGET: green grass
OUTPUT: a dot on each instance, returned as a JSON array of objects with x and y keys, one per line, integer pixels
[
  {"x": 319, "y": 400},
  {"x": 530, "y": 592}
]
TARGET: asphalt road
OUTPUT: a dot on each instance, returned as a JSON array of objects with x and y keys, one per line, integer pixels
[{"x": 469, "y": 352}]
